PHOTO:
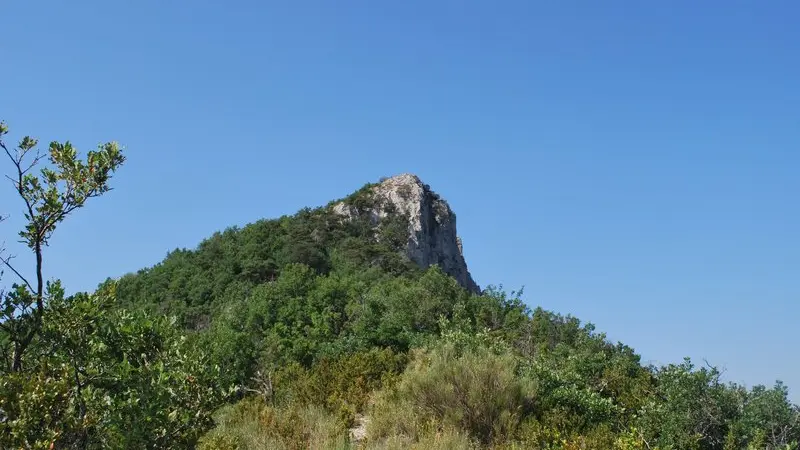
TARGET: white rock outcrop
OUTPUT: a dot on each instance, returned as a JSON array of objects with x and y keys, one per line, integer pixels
[{"x": 432, "y": 237}]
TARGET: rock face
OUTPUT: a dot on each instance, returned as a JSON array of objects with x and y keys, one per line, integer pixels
[{"x": 432, "y": 237}]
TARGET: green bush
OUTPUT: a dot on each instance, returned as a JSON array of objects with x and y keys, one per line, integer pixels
[
  {"x": 252, "y": 424},
  {"x": 342, "y": 385},
  {"x": 477, "y": 391},
  {"x": 98, "y": 377}
]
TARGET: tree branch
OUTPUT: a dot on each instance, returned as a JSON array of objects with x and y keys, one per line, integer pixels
[
  {"x": 38, "y": 157},
  {"x": 7, "y": 262},
  {"x": 20, "y": 177},
  {"x": 21, "y": 345}
]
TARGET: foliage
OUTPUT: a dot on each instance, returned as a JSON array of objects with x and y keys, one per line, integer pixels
[
  {"x": 194, "y": 284},
  {"x": 768, "y": 419},
  {"x": 691, "y": 408},
  {"x": 476, "y": 391},
  {"x": 110, "y": 379},
  {"x": 343, "y": 384},
  {"x": 252, "y": 424}
]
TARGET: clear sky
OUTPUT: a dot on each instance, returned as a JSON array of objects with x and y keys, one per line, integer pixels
[{"x": 634, "y": 164}]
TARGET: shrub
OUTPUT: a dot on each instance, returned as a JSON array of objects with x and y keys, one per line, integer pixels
[
  {"x": 103, "y": 378},
  {"x": 342, "y": 385},
  {"x": 477, "y": 392},
  {"x": 433, "y": 440},
  {"x": 251, "y": 424}
]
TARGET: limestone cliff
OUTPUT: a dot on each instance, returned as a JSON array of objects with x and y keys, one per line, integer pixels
[{"x": 432, "y": 237}]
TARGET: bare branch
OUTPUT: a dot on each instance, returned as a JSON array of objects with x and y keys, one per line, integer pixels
[
  {"x": 36, "y": 159},
  {"x": 7, "y": 261},
  {"x": 17, "y": 161}
]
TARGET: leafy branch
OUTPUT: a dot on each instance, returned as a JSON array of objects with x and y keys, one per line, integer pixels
[{"x": 63, "y": 185}]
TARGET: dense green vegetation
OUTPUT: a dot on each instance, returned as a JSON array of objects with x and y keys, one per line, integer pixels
[{"x": 287, "y": 333}]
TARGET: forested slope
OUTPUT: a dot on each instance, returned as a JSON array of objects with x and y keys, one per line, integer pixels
[
  {"x": 313, "y": 311},
  {"x": 286, "y": 333}
]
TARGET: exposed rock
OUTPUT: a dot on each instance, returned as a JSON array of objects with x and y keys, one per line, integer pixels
[
  {"x": 359, "y": 432},
  {"x": 432, "y": 238}
]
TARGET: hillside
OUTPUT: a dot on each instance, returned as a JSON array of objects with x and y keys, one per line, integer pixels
[
  {"x": 325, "y": 308},
  {"x": 287, "y": 333}
]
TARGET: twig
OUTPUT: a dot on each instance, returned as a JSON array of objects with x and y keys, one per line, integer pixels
[{"x": 7, "y": 262}]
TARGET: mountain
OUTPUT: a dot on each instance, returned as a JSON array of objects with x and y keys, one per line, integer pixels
[
  {"x": 397, "y": 226},
  {"x": 364, "y": 310}
]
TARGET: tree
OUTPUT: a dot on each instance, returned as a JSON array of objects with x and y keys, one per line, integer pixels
[
  {"x": 769, "y": 420},
  {"x": 60, "y": 188},
  {"x": 691, "y": 408},
  {"x": 82, "y": 372}
]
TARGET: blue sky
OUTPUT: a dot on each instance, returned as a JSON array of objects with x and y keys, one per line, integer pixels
[{"x": 631, "y": 163}]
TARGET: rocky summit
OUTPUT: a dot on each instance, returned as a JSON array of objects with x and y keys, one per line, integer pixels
[{"x": 432, "y": 234}]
